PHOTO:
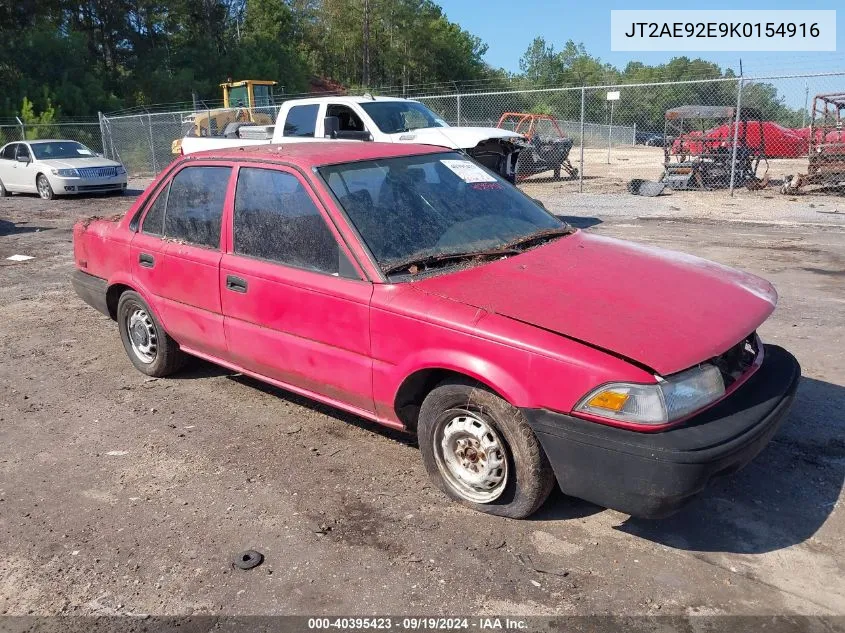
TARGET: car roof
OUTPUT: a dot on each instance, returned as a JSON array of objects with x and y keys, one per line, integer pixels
[
  {"x": 346, "y": 99},
  {"x": 48, "y": 140},
  {"x": 318, "y": 153}
]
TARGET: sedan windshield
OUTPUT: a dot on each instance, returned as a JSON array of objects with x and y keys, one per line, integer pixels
[
  {"x": 48, "y": 150},
  {"x": 437, "y": 210},
  {"x": 401, "y": 116}
]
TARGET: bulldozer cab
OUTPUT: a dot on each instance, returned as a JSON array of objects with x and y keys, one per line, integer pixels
[
  {"x": 244, "y": 102},
  {"x": 249, "y": 93}
]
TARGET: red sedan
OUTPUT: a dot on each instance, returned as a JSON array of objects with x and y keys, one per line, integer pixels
[{"x": 410, "y": 286}]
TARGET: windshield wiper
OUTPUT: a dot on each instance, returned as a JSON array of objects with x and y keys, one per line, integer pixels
[
  {"x": 415, "y": 264},
  {"x": 538, "y": 236}
]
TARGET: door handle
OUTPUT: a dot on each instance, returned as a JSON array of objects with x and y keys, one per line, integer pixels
[
  {"x": 235, "y": 284},
  {"x": 146, "y": 260}
]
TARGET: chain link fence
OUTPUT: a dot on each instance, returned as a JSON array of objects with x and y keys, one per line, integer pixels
[
  {"x": 86, "y": 132},
  {"x": 701, "y": 134}
]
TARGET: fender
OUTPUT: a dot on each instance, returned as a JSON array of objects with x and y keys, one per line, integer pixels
[
  {"x": 123, "y": 278},
  {"x": 487, "y": 372}
]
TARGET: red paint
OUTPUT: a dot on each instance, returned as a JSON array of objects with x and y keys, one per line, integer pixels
[{"x": 542, "y": 328}]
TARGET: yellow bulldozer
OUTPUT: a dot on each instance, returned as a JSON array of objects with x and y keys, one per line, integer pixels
[{"x": 246, "y": 101}]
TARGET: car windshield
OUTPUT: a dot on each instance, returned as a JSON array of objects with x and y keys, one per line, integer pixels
[
  {"x": 60, "y": 149},
  {"x": 401, "y": 116},
  {"x": 435, "y": 206}
]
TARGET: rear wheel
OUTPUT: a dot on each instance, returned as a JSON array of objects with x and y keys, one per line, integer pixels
[
  {"x": 148, "y": 346},
  {"x": 3, "y": 191},
  {"x": 480, "y": 451},
  {"x": 44, "y": 188}
]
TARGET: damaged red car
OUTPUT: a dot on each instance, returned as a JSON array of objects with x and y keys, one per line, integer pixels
[{"x": 413, "y": 287}]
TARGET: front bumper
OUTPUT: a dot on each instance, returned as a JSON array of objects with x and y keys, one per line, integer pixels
[
  {"x": 71, "y": 186},
  {"x": 653, "y": 475}
]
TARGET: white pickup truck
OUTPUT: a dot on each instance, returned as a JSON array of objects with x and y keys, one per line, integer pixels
[{"x": 383, "y": 119}]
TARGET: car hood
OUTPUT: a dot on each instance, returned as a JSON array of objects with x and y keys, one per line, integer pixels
[
  {"x": 77, "y": 163},
  {"x": 662, "y": 309},
  {"x": 455, "y": 137}
]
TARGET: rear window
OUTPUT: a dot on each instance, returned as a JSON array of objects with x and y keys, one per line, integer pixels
[
  {"x": 195, "y": 205},
  {"x": 301, "y": 120}
]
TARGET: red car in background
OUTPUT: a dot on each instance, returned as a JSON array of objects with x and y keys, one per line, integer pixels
[{"x": 411, "y": 286}]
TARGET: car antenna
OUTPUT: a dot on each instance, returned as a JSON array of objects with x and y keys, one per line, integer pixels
[{"x": 367, "y": 95}]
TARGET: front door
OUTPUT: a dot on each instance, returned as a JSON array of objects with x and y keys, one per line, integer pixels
[{"x": 295, "y": 309}]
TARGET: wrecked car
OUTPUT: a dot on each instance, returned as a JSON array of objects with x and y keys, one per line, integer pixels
[{"x": 410, "y": 286}]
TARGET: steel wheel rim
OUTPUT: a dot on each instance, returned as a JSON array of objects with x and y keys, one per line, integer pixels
[
  {"x": 142, "y": 335},
  {"x": 471, "y": 456},
  {"x": 43, "y": 189}
]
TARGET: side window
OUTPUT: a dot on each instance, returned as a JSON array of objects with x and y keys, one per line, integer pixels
[
  {"x": 23, "y": 150},
  {"x": 347, "y": 119},
  {"x": 301, "y": 120},
  {"x": 154, "y": 219},
  {"x": 195, "y": 205},
  {"x": 9, "y": 151},
  {"x": 276, "y": 219}
]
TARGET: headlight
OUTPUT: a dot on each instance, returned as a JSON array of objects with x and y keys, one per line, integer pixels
[
  {"x": 120, "y": 170},
  {"x": 668, "y": 400},
  {"x": 65, "y": 173}
]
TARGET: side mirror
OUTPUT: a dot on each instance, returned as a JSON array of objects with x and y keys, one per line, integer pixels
[
  {"x": 331, "y": 126},
  {"x": 23, "y": 159}
]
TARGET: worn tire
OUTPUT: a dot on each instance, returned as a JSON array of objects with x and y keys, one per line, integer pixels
[
  {"x": 45, "y": 191},
  {"x": 530, "y": 478},
  {"x": 168, "y": 358}
]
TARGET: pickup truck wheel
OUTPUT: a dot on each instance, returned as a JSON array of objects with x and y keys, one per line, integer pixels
[
  {"x": 148, "y": 346},
  {"x": 480, "y": 451},
  {"x": 44, "y": 188}
]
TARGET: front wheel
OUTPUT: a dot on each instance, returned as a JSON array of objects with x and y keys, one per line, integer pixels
[
  {"x": 44, "y": 188},
  {"x": 480, "y": 451},
  {"x": 148, "y": 346}
]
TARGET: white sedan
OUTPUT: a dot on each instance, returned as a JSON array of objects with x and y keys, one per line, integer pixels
[{"x": 56, "y": 167}]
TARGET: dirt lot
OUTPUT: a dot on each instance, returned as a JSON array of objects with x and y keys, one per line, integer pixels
[
  {"x": 120, "y": 494},
  {"x": 605, "y": 192}
]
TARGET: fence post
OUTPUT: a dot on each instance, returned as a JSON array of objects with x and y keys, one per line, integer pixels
[
  {"x": 152, "y": 145},
  {"x": 23, "y": 128},
  {"x": 634, "y": 141},
  {"x": 736, "y": 132},
  {"x": 581, "y": 170},
  {"x": 102, "y": 134},
  {"x": 458, "y": 99}
]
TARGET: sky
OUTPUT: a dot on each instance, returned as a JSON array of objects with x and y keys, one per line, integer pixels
[{"x": 509, "y": 26}]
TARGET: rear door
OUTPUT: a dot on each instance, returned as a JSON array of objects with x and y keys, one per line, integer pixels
[
  {"x": 187, "y": 280},
  {"x": 295, "y": 308},
  {"x": 23, "y": 173},
  {"x": 301, "y": 123}
]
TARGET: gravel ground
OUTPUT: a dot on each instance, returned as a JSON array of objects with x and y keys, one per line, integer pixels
[{"x": 120, "y": 494}]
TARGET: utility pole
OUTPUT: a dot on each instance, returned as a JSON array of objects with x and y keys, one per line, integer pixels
[{"x": 366, "y": 74}]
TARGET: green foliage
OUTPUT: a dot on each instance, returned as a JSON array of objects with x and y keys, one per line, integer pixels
[
  {"x": 75, "y": 58},
  {"x": 37, "y": 125}
]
